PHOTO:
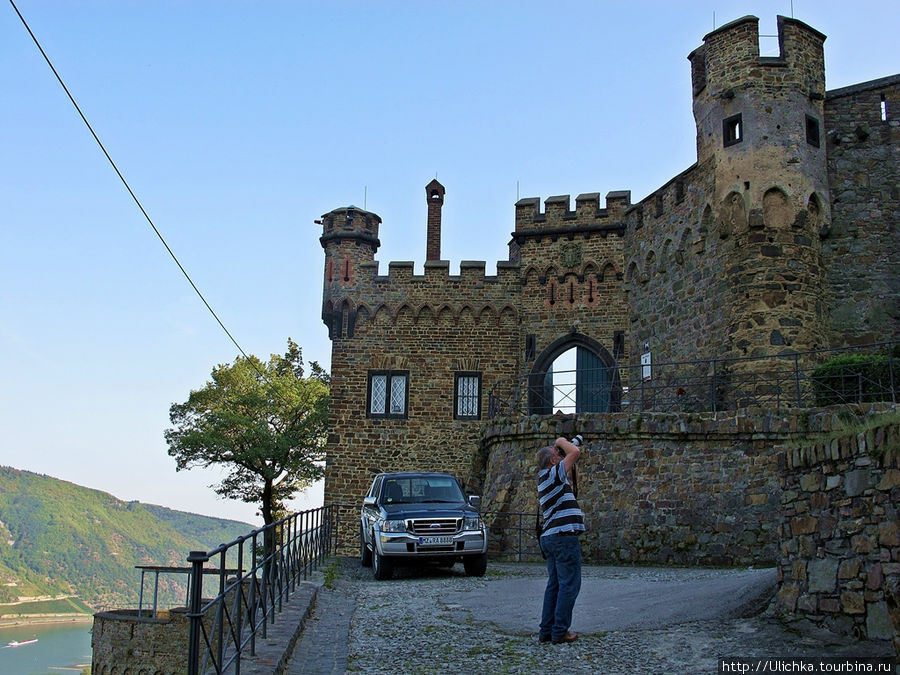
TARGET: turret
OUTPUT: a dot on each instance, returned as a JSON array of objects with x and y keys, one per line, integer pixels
[
  {"x": 760, "y": 133},
  {"x": 350, "y": 238}
]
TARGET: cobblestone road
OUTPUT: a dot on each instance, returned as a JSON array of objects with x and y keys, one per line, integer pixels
[{"x": 421, "y": 622}]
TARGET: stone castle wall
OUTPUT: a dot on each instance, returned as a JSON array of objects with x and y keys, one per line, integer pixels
[
  {"x": 776, "y": 243},
  {"x": 122, "y": 642},
  {"x": 860, "y": 245},
  {"x": 431, "y": 346},
  {"x": 571, "y": 272},
  {"x": 655, "y": 488},
  {"x": 674, "y": 277},
  {"x": 839, "y": 563}
]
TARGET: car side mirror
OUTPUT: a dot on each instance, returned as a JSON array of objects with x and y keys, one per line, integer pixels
[
  {"x": 369, "y": 501},
  {"x": 475, "y": 500}
]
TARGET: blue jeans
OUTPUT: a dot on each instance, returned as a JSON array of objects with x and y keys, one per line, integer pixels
[{"x": 563, "y": 583}]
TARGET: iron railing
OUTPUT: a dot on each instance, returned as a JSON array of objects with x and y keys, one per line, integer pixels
[
  {"x": 783, "y": 380},
  {"x": 254, "y": 575}
]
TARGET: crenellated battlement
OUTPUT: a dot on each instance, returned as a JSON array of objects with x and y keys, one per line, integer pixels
[
  {"x": 557, "y": 215},
  {"x": 437, "y": 272},
  {"x": 730, "y": 59},
  {"x": 350, "y": 223}
]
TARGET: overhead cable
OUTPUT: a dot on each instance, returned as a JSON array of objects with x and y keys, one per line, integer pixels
[{"x": 128, "y": 187}]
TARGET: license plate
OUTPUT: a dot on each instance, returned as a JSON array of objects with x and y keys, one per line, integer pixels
[{"x": 435, "y": 541}]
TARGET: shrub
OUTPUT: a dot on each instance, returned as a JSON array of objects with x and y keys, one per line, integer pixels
[{"x": 856, "y": 378}]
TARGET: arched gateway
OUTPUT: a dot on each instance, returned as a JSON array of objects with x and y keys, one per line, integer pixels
[{"x": 595, "y": 384}]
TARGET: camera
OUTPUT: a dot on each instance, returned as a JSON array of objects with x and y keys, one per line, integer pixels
[{"x": 576, "y": 441}]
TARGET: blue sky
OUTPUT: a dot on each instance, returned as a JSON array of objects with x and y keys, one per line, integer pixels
[{"x": 238, "y": 124}]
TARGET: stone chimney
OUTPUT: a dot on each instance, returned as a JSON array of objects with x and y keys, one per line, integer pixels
[{"x": 434, "y": 193}]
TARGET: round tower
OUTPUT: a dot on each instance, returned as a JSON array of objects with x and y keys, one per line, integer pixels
[
  {"x": 350, "y": 238},
  {"x": 760, "y": 136}
]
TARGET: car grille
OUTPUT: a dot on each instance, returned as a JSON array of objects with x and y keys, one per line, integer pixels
[{"x": 435, "y": 526}]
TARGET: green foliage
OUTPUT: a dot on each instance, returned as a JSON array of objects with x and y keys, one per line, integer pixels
[
  {"x": 263, "y": 422},
  {"x": 61, "y": 606},
  {"x": 58, "y": 538},
  {"x": 331, "y": 574},
  {"x": 855, "y": 378}
]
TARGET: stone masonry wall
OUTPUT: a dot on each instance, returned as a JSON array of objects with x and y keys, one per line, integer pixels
[
  {"x": 431, "y": 327},
  {"x": 122, "y": 642},
  {"x": 860, "y": 246},
  {"x": 674, "y": 252},
  {"x": 572, "y": 271},
  {"x": 655, "y": 488},
  {"x": 839, "y": 563}
]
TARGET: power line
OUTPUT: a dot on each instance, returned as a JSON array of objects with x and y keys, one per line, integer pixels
[{"x": 130, "y": 191}]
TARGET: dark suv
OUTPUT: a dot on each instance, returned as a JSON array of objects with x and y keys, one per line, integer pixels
[{"x": 420, "y": 517}]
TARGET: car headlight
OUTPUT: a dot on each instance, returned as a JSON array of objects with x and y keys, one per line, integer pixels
[
  {"x": 472, "y": 523},
  {"x": 393, "y": 526}
]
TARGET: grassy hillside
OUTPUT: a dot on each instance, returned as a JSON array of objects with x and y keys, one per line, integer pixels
[{"x": 58, "y": 538}]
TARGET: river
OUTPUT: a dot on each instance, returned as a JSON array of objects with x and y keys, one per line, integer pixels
[{"x": 60, "y": 648}]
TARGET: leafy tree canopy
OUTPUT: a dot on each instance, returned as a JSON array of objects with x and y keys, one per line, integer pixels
[{"x": 265, "y": 423}]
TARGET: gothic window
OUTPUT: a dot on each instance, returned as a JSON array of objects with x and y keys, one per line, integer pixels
[
  {"x": 467, "y": 396},
  {"x": 387, "y": 393},
  {"x": 732, "y": 130}
]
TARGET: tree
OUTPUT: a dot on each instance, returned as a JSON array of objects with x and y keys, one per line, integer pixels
[{"x": 264, "y": 422}]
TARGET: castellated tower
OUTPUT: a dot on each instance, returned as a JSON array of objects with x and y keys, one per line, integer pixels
[
  {"x": 760, "y": 134},
  {"x": 350, "y": 238}
]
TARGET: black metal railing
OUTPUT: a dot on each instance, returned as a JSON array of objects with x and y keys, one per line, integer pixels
[
  {"x": 512, "y": 536},
  {"x": 249, "y": 587},
  {"x": 252, "y": 577},
  {"x": 856, "y": 374}
]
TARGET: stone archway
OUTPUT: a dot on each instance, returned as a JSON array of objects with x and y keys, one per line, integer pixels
[{"x": 596, "y": 382}]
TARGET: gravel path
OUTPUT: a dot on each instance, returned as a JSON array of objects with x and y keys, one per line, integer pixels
[{"x": 420, "y": 622}]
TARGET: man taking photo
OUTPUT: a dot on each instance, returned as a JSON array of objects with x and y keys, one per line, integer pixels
[{"x": 563, "y": 522}]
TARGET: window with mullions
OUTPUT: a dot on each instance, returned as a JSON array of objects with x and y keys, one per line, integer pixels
[
  {"x": 467, "y": 396},
  {"x": 388, "y": 392}
]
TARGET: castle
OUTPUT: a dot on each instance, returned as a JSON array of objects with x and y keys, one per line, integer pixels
[{"x": 781, "y": 238}]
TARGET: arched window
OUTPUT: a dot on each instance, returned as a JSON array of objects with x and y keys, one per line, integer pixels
[{"x": 575, "y": 374}]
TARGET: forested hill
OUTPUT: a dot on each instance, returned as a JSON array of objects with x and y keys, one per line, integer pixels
[{"x": 58, "y": 538}]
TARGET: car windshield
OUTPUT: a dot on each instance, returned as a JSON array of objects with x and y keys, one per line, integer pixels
[{"x": 421, "y": 490}]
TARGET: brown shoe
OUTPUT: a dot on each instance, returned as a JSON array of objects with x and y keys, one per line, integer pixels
[
  {"x": 568, "y": 637},
  {"x": 543, "y": 638}
]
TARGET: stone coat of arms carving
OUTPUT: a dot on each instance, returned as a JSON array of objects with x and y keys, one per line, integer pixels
[{"x": 571, "y": 254}]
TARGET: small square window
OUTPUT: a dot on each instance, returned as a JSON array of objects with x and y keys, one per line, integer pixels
[
  {"x": 387, "y": 394},
  {"x": 732, "y": 130},
  {"x": 812, "y": 131},
  {"x": 467, "y": 396}
]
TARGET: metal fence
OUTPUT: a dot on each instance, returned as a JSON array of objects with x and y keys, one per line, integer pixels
[
  {"x": 253, "y": 576},
  {"x": 856, "y": 374}
]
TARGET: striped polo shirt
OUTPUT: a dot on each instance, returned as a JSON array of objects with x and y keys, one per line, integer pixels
[{"x": 558, "y": 505}]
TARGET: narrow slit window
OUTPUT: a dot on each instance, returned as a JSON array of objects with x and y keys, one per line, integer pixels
[
  {"x": 732, "y": 130},
  {"x": 883, "y": 108},
  {"x": 812, "y": 131}
]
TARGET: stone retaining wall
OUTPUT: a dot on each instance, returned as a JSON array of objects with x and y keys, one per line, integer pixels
[
  {"x": 700, "y": 489},
  {"x": 123, "y": 642},
  {"x": 840, "y": 532}
]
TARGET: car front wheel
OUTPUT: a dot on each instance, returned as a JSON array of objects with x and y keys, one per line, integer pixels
[
  {"x": 365, "y": 555},
  {"x": 382, "y": 568},
  {"x": 475, "y": 565}
]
